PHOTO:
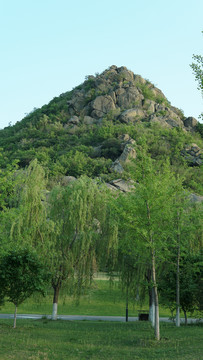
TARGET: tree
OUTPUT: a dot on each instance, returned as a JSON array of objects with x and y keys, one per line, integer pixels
[
  {"x": 80, "y": 231},
  {"x": 28, "y": 217},
  {"x": 186, "y": 233},
  {"x": 147, "y": 213},
  {"x": 190, "y": 275},
  {"x": 21, "y": 274},
  {"x": 197, "y": 68},
  {"x": 7, "y": 183},
  {"x": 132, "y": 276}
]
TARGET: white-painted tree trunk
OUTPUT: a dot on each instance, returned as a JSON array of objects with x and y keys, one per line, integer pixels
[
  {"x": 54, "y": 311},
  {"x": 178, "y": 316},
  {"x": 152, "y": 311},
  {"x": 178, "y": 284},
  {"x": 156, "y": 298},
  {"x": 15, "y": 315}
]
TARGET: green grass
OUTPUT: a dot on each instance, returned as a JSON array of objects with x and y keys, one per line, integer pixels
[
  {"x": 100, "y": 300},
  {"x": 58, "y": 340}
]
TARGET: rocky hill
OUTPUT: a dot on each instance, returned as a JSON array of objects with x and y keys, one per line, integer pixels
[
  {"x": 127, "y": 97},
  {"x": 95, "y": 128}
]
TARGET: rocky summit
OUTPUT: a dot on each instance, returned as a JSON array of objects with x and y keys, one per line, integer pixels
[{"x": 127, "y": 97}]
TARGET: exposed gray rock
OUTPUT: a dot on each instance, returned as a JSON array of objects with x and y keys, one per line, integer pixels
[
  {"x": 166, "y": 117},
  {"x": 77, "y": 103},
  {"x": 127, "y": 154},
  {"x": 123, "y": 185},
  {"x": 149, "y": 106},
  {"x": 171, "y": 122},
  {"x": 116, "y": 167},
  {"x": 73, "y": 129},
  {"x": 88, "y": 120},
  {"x": 113, "y": 96},
  {"x": 128, "y": 98},
  {"x": 157, "y": 92},
  {"x": 132, "y": 115},
  {"x": 125, "y": 73},
  {"x": 190, "y": 122},
  {"x": 66, "y": 180},
  {"x": 102, "y": 105},
  {"x": 126, "y": 139},
  {"x": 139, "y": 79},
  {"x": 111, "y": 187},
  {"x": 74, "y": 120},
  {"x": 158, "y": 119},
  {"x": 118, "y": 89},
  {"x": 193, "y": 154},
  {"x": 196, "y": 198}
]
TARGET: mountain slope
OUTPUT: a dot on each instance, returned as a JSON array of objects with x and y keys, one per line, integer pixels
[{"x": 87, "y": 130}]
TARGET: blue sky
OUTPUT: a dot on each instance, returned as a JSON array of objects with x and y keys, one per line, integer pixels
[{"x": 49, "y": 46}]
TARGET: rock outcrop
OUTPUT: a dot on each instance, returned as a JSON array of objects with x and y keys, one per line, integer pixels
[
  {"x": 120, "y": 94},
  {"x": 193, "y": 154},
  {"x": 128, "y": 153}
]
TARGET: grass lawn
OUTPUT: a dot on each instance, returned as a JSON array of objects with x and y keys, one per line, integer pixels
[
  {"x": 99, "y": 300},
  {"x": 58, "y": 340}
]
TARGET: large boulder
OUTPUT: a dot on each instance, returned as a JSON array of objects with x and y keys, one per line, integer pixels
[
  {"x": 117, "y": 167},
  {"x": 123, "y": 185},
  {"x": 127, "y": 154},
  {"x": 190, "y": 122},
  {"x": 74, "y": 120},
  {"x": 66, "y": 180},
  {"x": 102, "y": 105},
  {"x": 196, "y": 198},
  {"x": 193, "y": 154},
  {"x": 128, "y": 98},
  {"x": 132, "y": 115},
  {"x": 88, "y": 120},
  {"x": 77, "y": 103},
  {"x": 125, "y": 74}
]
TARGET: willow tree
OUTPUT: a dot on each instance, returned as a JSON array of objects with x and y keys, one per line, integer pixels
[
  {"x": 81, "y": 231},
  {"x": 28, "y": 218}
]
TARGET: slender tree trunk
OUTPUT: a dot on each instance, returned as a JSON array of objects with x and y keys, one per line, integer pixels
[
  {"x": 155, "y": 290},
  {"x": 55, "y": 301},
  {"x": 126, "y": 312},
  {"x": 151, "y": 298},
  {"x": 15, "y": 315},
  {"x": 156, "y": 298},
  {"x": 185, "y": 314},
  {"x": 178, "y": 285},
  {"x": 151, "y": 307}
]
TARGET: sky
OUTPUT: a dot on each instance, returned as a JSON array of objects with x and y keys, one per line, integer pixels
[{"x": 49, "y": 46}]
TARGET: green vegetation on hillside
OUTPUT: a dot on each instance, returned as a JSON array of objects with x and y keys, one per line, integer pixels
[{"x": 63, "y": 154}]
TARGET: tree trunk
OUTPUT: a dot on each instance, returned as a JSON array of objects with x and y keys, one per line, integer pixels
[
  {"x": 15, "y": 315},
  {"x": 154, "y": 288},
  {"x": 151, "y": 307},
  {"x": 151, "y": 298},
  {"x": 185, "y": 314},
  {"x": 178, "y": 285},
  {"x": 126, "y": 312},
  {"x": 156, "y": 298},
  {"x": 55, "y": 302}
]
